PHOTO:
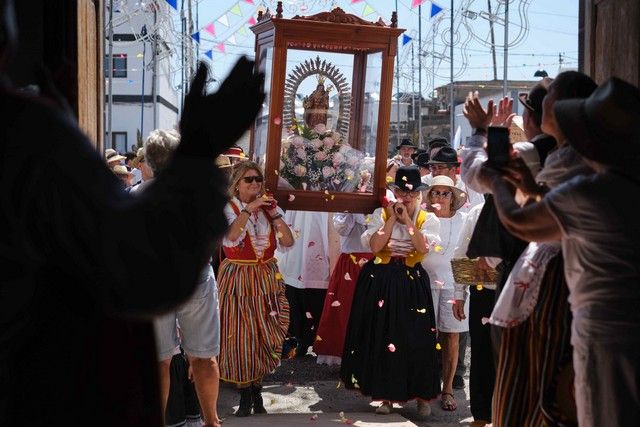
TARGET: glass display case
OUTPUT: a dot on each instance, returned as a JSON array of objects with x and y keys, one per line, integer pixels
[{"x": 323, "y": 133}]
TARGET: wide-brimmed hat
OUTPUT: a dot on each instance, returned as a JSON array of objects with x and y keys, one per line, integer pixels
[
  {"x": 459, "y": 196},
  {"x": 223, "y": 161},
  {"x": 416, "y": 153},
  {"x": 407, "y": 179},
  {"x": 406, "y": 143},
  {"x": 438, "y": 141},
  {"x": 422, "y": 160},
  {"x": 120, "y": 170},
  {"x": 236, "y": 152},
  {"x": 532, "y": 101},
  {"x": 605, "y": 126},
  {"x": 111, "y": 155},
  {"x": 444, "y": 155}
]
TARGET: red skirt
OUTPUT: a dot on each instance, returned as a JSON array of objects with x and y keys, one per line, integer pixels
[{"x": 335, "y": 317}]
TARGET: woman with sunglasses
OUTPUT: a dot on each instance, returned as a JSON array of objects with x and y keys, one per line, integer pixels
[
  {"x": 390, "y": 348},
  {"x": 444, "y": 199},
  {"x": 254, "y": 310}
]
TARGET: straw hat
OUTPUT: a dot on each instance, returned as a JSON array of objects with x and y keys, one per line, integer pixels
[
  {"x": 111, "y": 156},
  {"x": 459, "y": 196},
  {"x": 223, "y": 161}
]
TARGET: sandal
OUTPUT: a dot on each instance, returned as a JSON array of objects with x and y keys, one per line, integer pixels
[{"x": 448, "y": 402}]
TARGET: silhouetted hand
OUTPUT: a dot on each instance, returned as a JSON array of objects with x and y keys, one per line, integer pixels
[{"x": 211, "y": 123}]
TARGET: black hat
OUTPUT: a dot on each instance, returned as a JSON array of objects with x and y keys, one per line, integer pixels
[
  {"x": 407, "y": 179},
  {"x": 605, "y": 126},
  {"x": 532, "y": 101},
  {"x": 422, "y": 160},
  {"x": 438, "y": 141},
  {"x": 406, "y": 143},
  {"x": 417, "y": 153},
  {"x": 444, "y": 155}
]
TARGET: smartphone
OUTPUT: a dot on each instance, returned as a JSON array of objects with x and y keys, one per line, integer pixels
[{"x": 498, "y": 147}]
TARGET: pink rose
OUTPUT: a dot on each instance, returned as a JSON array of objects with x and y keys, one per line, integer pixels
[
  {"x": 328, "y": 171},
  {"x": 297, "y": 141},
  {"x": 320, "y": 128},
  {"x": 316, "y": 143},
  {"x": 338, "y": 159},
  {"x": 299, "y": 170},
  {"x": 301, "y": 153},
  {"x": 320, "y": 156},
  {"x": 328, "y": 142}
]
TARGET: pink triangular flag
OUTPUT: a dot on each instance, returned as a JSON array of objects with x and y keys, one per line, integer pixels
[
  {"x": 252, "y": 21},
  {"x": 415, "y": 3},
  {"x": 211, "y": 29},
  {"x": 355, "y": 1},
  {"x": 249, "y": 1},
  {"x": 220, "y": 47}
]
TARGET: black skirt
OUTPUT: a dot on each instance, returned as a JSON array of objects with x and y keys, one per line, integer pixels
[{"x": 390, "y": 347}]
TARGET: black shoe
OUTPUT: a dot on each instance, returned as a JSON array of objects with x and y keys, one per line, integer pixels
[
  {"x": 458, "y": 382},
  {"x": 258, "y": 404},
  {"x": 246, "y": 398}
]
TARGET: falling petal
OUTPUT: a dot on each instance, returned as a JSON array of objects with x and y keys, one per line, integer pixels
[
  {"x": 404, "y": 178},
  {"x": 438, "y": 248},
  {"x": 392, "y": 348},
  {"x": 411, "y": 232},
  {"x": 479, "y": 287},
  {"x": 347, "y": 276},
  {"x": 433, "y": 329},
  {"x": 485, "y": 320},
  {"x": 277, "y": 121},
  {"x": 438, "y": 346},
  {"x": 312, "y": 327},
  {"x": 436, "y": 206},
  {"x": 336, "y": 181},
  {"x": 451, "y": 301},
  {"x": 353, "y": 379},
  {"x": 409, "y": 186},
  {"x": 309, "y": 315},
  {"x": 304, "y": 185},
  {"x": 315, "y": 416},
  {"x": 279, "y": 235},
  {"x": 380, "y": 303},
  {"x": 377, "y": 260},
  {"x": 367, "y": 219},
  {"x": 362, "y": 261},
  {"x": 389, "y": 179},
  {"x": 273, "y": 313},
  {"x": 338, "y": 386},
  {"x": 410, "y": 276},
  {"x": 423, "y": 206},
  {"x": 311, "y": 244},
  {"x": 380, "y": 232},
  {"x": 326, "y": 192},
  {"x": 276, "y": 172},
  {"x": 371, "y": 275},
  {"x": 318, "y": 338},
  {"x": 336, "y": 303},
  {"x": 292, "y": 197},
  {"x": 333, "y": 197},
  {"x": 421, "y": 310},
  {"x": 353, "y": 258}
]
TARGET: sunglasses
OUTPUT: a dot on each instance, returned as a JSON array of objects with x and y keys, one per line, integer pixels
[
  {"x": 250, "y": 179},
  {"x": 439, "y": 167},
  {"x": 441, "y": 193}
]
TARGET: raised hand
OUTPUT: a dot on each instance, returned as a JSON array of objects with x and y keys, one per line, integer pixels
[
  {"x": 211, "y": 123},
  {"x": 519, "y": 175},
  {"x": 473, "y": 111},
  {"x": 503, "y": 115}
]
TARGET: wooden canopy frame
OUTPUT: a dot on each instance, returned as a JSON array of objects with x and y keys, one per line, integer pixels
[{"x": 333, "y": 32}]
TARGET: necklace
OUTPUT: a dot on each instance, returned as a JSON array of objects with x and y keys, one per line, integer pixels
[{"x": 254, "y": 221}]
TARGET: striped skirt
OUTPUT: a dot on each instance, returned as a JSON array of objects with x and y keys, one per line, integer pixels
[
  {"x": 534, "y": 378},
  {"x": 254, "y": 317}
]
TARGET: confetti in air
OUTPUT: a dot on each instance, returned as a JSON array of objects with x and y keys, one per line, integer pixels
[
  {"x": 485, "y": 320},
  {"x": 380, "y": 303},
  {"x": 438, "y": 248},
  {"x": 404, "y": 178},
  {"x": 438, "y": 346},
  {"x": 389, "y": 179},
  {"x": 421, "y": 310},
  {"x": 292, "y": 197},
  {"x": 377, "y": 260},
  {"x": 479, "y": 287},
  {"x": 318, "y": 338},
  {"x": 278, "y": 276},
  {"x": 273, "y": 313},
  {"x": 392, "y": 348},
  {"x": 362, "y": 261},
  {"x": 277, "y": 121},
  {"x": 347, "y": 276},
  {"x": 309, "y": 316},
  {"x": 336, "y": 303},
  {"x": 353, "y": 258},
  {"x": 409, "y": 186}
]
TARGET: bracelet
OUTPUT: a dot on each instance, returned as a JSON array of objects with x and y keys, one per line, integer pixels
[
  {"x": 245, "y": 211},
  {"x": 277, "y": 216}
]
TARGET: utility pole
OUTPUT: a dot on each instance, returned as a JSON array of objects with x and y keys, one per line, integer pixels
[
  {"x": 506, "y": 47},
  {"x": 143, "y": 33},
  {"x": 397, "y": 92},
  {"x": 560, "y": 62},
  {"x": 420, "y": 75},
  {"x": 452, "y": 112},
  {"x": 109, "y": 142},
  {"x": 154, "y": 82},
  {"x": 493, "y": 43},
  {"x": 413, "y": 90},
  {"x": 183, "y": 71}
]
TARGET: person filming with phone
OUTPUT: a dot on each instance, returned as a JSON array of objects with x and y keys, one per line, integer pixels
[{"x": 254, "y": 309}]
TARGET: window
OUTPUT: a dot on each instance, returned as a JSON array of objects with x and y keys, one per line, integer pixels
[
  {"x": 119, "y": 65},
  {"x": 119, "y": 141}
]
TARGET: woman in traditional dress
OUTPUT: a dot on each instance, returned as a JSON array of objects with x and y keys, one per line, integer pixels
[
  {"x": 444, "y": 199},
  {"x": 390, "y": 348},
  {"x": 254, "y": 310}
]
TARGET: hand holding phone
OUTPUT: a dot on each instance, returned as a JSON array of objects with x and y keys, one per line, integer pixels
[{"x": 498, "y": 147}]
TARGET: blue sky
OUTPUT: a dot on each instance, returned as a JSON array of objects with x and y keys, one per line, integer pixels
[{"x": 549, "y": 27}]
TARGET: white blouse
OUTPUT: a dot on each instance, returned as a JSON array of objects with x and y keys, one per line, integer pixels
[{"x": 258, "y": 226}]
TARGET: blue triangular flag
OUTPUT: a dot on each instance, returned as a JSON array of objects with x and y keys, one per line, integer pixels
[
  {"x": 196, "y": 36},
  {"x": 209, "y": 54},
  {"x": 435, "y": 9},
  {"x": 173, "y": 4},
  {"x": 405, "y": 39}
]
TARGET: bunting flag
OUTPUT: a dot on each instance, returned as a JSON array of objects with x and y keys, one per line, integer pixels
[
  {"x": 249, "y": 1},
  {"x": 220, "y": 47},
  {"x": 368, "y": 10},
  {"x": 252, "y": 21},
  {"x": 415, "y": 3},
  {"x": 435, "y": 9},
  {"x": 173, "y": 4},
  {"x": 209, "y": 54},
  {"x": 355, "y": 1},
  {"x": 405, "y": 39},
  {"x": 242, "y": 31},
  {"x": 224, "y": 20},
  {"x": 232, "y": 39},
  {"x": 211, "y": 29},
  {"x": 236, "y": 10},
  {"x": 196, "y": 36}
]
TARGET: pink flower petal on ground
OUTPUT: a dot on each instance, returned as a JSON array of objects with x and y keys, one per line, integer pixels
[
  {"x": 380, "y": 303},
  {"x": 392, "y": 348},
  {"x": 309, "y": 315},
  {"x": 292, "y": 197},
  {"x": 336, "y": 303},
  {"x": 347, "y": 276}
]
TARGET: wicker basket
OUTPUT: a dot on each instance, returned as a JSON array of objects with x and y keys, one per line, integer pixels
[{"x": 464, "y": 272}]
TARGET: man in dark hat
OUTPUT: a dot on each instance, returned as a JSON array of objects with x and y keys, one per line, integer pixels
[
  {"x": 405, "y": 150},
  {"x": 437, "y": 142},
  {"x": 593, "y": 217}
]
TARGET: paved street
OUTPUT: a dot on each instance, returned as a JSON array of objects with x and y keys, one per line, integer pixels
[{"x": 301, "y": 392}]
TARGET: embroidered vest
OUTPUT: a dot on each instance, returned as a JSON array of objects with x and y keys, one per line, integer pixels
[
  {"x": 414, "y": 257},
  {"x": 245, "y": 252}
]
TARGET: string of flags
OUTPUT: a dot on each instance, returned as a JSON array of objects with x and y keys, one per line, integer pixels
[{"x": 435, "y": 9}]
